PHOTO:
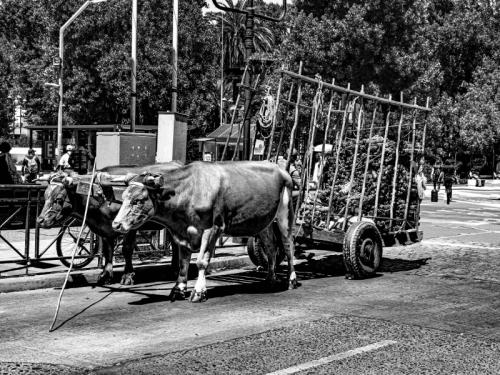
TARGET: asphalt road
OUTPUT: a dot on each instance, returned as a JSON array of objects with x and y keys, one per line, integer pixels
[{"x": 432, "y": 309}]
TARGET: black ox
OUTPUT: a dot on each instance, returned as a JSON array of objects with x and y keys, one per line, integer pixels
[{"x": 62, "y": 201}]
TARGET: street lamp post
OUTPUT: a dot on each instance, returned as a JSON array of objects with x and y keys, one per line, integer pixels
[
  {"x": 59, "y": 149},
  {"x": 133, "y": 62},
  {"x": 17, "y": 103},
  {"x": 250, "y": 16}
]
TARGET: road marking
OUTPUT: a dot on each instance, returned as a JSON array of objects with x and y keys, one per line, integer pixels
[
  {"x": 334, "y": 357},
  {"x": 462, "y": 245}
]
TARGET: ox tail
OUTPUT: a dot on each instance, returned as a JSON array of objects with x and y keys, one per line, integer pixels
[
  {"x": 285, "y": 222},
  {"x": 285, "y": 216}
]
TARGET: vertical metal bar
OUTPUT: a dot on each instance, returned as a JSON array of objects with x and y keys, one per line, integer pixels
[
  {"x": 27, "y": 231},
  {"x": 308, "y": 165},
  {"x": 37, "y": 227},
  {"x": 410, "y": 177},
  {"x": 296, "y": 119},
  {"x": 282, "y": 134},
  {"x": 425, "y": 126},
  {"x": 355, "y": 159},
  {"x": 249, "y": 50},
  {"x": 242, "y": 127},
  {"x": 396, "y": 164},
  {"x": 322, "y": 162},
  {"x": 233, "y": 116},
  {"x": 175, "y": 23},
  {"x": 252, "y": 148},
  {"x": 133, "y": 63},
  {"x": 275, "y": 109},
  {"x": 363, "y": 189},
  {"x": 339, "y": 147},
  {"x": 417, "y": 223},
  {"x": 382, "y": 158}
]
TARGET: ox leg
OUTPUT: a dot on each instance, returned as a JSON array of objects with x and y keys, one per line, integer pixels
[
  {"x": 208, "y": 241},
  {"x": 285, "y": 218},
  {"x": 267, "y": 239},
  {"x": 128, "y": 246},
  {"x": 180, "y": 266},
  {"x": 106, "y": 276}
]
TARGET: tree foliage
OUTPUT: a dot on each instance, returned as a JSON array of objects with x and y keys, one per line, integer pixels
[
  {"x": 97, "y": 45},
  {"x": 447, "y": 50}
]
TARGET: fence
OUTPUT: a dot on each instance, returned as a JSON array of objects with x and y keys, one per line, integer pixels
[{"x": 19, "y": 207}]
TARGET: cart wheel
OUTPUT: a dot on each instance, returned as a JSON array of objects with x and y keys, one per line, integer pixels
[
  {"x": 362, "y": 250},
  {"x": 257, "y": 254},
  {"x": 66, "y": 240}
]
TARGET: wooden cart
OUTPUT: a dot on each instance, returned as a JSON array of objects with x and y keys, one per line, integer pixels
[{"x": 351, "y": 144}]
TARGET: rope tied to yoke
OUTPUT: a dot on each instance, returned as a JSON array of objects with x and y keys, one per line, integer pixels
[{"x": 75, "y": 248}]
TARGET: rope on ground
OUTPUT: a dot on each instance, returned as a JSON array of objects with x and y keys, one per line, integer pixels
[{"x": 74, "y": 250}]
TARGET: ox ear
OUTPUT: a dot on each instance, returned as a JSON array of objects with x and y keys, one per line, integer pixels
[
  {"x": 153, "y": 181},
  {"x": 166, "y": 194}
]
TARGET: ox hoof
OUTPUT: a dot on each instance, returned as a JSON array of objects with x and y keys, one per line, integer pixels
[
  {"x": 104, "y": 278},
  {"x": 128, "y": 278},
  {"x": 293, "y": 284},
  {"x": 198, "y": 296},
  {"x": 177, "y": 294}
]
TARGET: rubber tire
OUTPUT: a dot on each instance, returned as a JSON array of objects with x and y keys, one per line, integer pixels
[
  {"x": 258, "y": 256},
  {"x": 359, "y": 235},
  {"x": 79, "y": 263}
]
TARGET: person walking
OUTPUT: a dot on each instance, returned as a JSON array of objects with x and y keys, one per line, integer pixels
[
  {"x": 31, "y": 166},
  {"x": 64, "y": 162},
  {"x": 437, "y": 176},
  {"x": 8, "y": 171}
]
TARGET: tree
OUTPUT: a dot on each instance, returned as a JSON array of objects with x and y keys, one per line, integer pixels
[{"x": 96, "y": 60}]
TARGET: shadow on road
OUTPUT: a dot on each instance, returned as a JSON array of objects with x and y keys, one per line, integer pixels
[{"x": 253, "y": 281}]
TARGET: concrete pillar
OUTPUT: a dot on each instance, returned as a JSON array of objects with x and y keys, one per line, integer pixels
[{"x": 172, "y": 137}]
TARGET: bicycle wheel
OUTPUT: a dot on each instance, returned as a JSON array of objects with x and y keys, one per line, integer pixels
[{"x": 66, "y": 239}]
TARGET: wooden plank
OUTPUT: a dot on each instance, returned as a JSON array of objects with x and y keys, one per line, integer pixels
[
  {"x": 355, "y": 93},
  {"x": 335, "y": 236}
]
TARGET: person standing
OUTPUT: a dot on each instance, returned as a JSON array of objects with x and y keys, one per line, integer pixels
[
  {"x": 64, "y": 162},
  {"x": 448, "y": 179},
  {"x": 8, "y": 171},
  {"x": 437, "y": 176},
  {"x": 31, "y": 166}
]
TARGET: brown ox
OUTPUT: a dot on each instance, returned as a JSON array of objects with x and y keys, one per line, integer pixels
[{"x": 200, "y": 201}]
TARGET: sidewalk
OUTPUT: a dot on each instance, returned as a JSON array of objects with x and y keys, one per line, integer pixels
[
  {"x": 51, "y": 274},
  {"x": 490, "y": 185}
]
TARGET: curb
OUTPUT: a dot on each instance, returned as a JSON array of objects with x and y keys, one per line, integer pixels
[{"x": 143, "y": 273}]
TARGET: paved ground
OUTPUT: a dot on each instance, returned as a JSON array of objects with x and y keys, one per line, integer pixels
[{"x": 433, "y": 309}]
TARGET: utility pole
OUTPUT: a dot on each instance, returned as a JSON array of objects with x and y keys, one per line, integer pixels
[
  {"x": 133, "y": 63},
  {"x": 174, "y": 54},
  {"x": 250, "y": 16},
  {"x": 60, "y": 65}
]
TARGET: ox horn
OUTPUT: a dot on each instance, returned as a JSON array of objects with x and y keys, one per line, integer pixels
[
  {"x": 154, "y": 181},
  {"x": 103, "y": 178},
  {"x": 57, "y": 176},
  {"x": 125, "y": 179}
]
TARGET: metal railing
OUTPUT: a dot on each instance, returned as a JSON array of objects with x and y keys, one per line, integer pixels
[{"x": 19, "y": 207}]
